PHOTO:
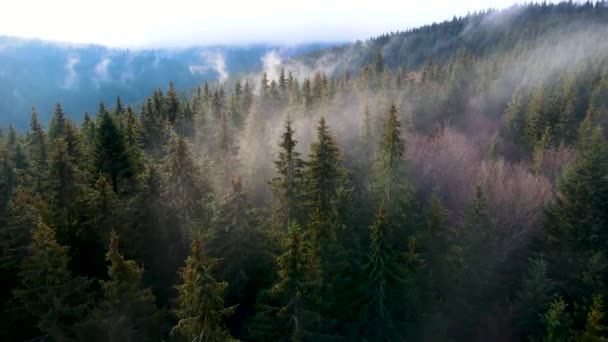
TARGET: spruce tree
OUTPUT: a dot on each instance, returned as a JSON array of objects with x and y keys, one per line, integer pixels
[
  {"x": 389, "y": 184},
  {"x": 239, "y": 242},
  {"x": 50, "y": 293},
  {"x": 200, "y": 302},
  {"x": 111, "y": 157},
  {"x": 186, "y": 189},
  {"x": 576, "y": 221},
  {"x": 171, "y": 105},
  {"x": 288, "y": 314},
  {"x": 127, "y": 311},
  {"x": 533, "y": 298},
  {"x": 383, "y": 280},
  {"x": 325, "y": 176},
  {"x": 287, "y": 187},
  {"x": 58, "y": 122}
]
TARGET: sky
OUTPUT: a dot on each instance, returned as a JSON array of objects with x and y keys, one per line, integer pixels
[{"x": 180, "y": 23}]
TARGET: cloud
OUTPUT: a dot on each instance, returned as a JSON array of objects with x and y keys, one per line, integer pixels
[
  {"x": 101, "y": 69},
  {"x": 71, "y": 76},
  {"x": 211, "y": 61},
  {"x": 272, "y": 63}
]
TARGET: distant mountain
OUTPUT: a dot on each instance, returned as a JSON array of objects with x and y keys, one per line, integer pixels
[
  {"x": 40, "y": 73},
  {"x": 482, "y": 34}
]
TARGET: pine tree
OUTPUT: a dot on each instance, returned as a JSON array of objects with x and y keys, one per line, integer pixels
[
  {"x": 438, "y": 249},
  {"x": 389, "y": 184},
  {"x": 325, "y": 177},
  {"x": 171, "y": 105},
  {"x": 287, "y": 187},
  {"x": 288, "y": 314},
  {"x": 379, "y": 63},
  {"x": 57, "y": 125},
  {"x": 89, "y": 129},
  {"x": 534, "y": 297},
  {"x": 150, "y": 236},
  {"x": 48, "y": 290},
  {"x": 477, "y": 273},
  {"x": 186, "y": 191},
  {"x": 557, "y": 322},
  {"x": 127, "y": 311},
  {"x": 118, "y": 109},
  {"x": 153, "y": 133},
  {"x": 65, "y": 183},
  {"x": 200, "y": 304},
  {"x": 535, "y": 120},
  {"x": 594, "y": 327},
  {"x": 380, "y": 290},
  {"x": 111, "y": 155},
  {"x": 515, "y": 116},
  {"x": 575, "y": 221},
  {"x": 243, "y": 249},
  {"x": 37, "y": 146}
]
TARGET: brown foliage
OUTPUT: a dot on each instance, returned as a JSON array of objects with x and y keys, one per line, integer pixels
[{"x": 455, "y": 165}]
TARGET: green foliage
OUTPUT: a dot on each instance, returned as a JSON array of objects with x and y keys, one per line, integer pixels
[
  {"x": 381, "y": 290},
  {"x": 48, "y": 291},
  {"x": 200, "y": 306},
  {"x": 111, "y": 155},
  {"x": 287, "y": 187},
  {"x": 127, "y": 311}
]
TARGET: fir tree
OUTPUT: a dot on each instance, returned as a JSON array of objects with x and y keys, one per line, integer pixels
[
  {"x": 575, "y": 222},
  {"x": 389, "y": 183},
  {"x": 57, "y": 125},
  {"x": 111, "y": 155},
  {"x": 380, "y": 290},
  {"x": 287, "y": 187},
  {"x": 48, "y": 290},
  {"x": 200, "y": 304},
  {"x": 325, "y": 176},
  {"x": 289, "y": 313},
  {"x": 127, "y": 311}
]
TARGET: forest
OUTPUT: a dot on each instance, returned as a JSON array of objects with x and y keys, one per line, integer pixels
[{"x": 464, "y": 198}]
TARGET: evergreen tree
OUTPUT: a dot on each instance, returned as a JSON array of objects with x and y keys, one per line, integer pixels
[
  {"x": 111, "y": 155},
  {"x": 325, "y": 177},
  {"x": 171, "y": 105},
  {"x": 37, "y": 146},
  {"x": 557, "y": 322},
  {"x": 289, "y": 313},
  {"x": 57, "y": 125},
  {"x": 48, "y": 290},
  {"x": 127, "y": 311},
  {"x": 89, "y": 129},
  {"x": 186, "y": 190},
  {"x": 243, "y": 249},
  {"x": 575, "y": 221},
  {"x": 534, "y": 297},
  {"x": 380, "y": 290},
  {"x": 287, "y": 187},
  {"x": 200, "y": 301},
  {"x": 389, "y": 184}
]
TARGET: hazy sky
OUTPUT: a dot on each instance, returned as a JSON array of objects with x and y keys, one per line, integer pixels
[{"x": 145, "y": 23}]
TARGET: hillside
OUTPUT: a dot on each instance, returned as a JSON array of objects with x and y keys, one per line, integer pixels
[
  {"x": 420, "y": 186},
  {"x": 35, "y": 72},
  {"x": 482, "y": 34}
]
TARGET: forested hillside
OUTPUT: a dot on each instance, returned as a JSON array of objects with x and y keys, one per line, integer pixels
[
  {"x": 459, "y": 197},
  {"x": 41, "y": 73}
]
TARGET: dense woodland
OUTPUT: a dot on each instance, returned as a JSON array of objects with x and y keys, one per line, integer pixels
[{"x": 464, "y": 200}]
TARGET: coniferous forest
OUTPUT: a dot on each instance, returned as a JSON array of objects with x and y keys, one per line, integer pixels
[{"x": 426, "y": 193}]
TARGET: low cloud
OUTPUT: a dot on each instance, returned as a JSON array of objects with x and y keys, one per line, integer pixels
[
  {"x": 71, "y": 76},
  {"x": 101, "y": 69},
  {"x": 211, "y": 61}
]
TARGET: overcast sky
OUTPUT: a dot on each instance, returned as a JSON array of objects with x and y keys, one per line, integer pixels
[{"x": 170, "y": 23}]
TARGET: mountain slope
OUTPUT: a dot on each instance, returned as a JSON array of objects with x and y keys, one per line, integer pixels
[{"x": 39, "y": 73}]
